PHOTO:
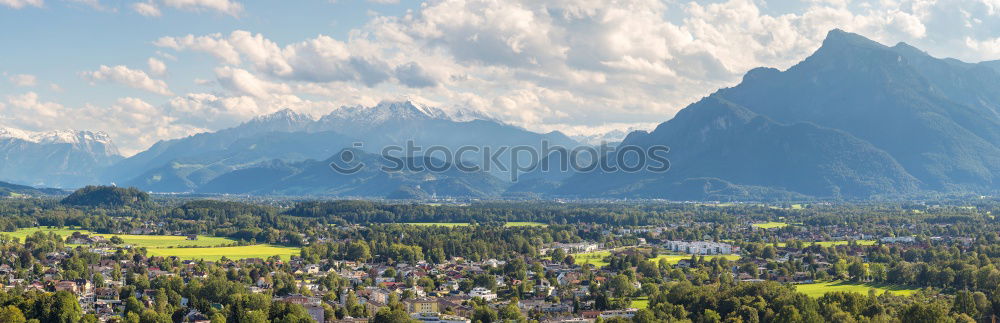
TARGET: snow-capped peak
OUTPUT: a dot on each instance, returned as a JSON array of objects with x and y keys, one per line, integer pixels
[
  {"x": 283, "y": 114},
  {"x": 56, "y": 136},
  {"x": 401, "y": 110}
]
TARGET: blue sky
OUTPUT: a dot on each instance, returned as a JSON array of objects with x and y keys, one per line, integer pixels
[{"x": 158, "y": 69}]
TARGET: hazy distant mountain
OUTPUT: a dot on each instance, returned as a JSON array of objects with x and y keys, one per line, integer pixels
[
  {"x": 312, "y": 177},
  {"x": 62, "y": 158},
  {"x": 754, "y": 157},
  {"x": 856, "y": 119},
  {"x": 938, "y": 118},
  {"x": 184, "y": 165},
  {"x": 166, "y": 152}
]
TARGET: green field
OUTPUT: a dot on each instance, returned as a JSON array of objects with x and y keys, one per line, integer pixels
[
  {"x": 639, "y": 303},
  {"x": 770, "y": 225},
  {"x": 262, "y": 251},
  {"x": 147, "y": 241},
  {"x": 206, "y": 247},
  {"x": 674, "y": 259},
  {"x": 595, "y": 258},
  {"x": 819, "y": 289}
]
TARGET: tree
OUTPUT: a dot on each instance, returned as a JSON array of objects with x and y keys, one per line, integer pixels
[
  {"x": 710, "y": 316},
  {"x": 484, "y": 314},
  {"x": 358, "y": 251},
  {"x": 919, "y": 312},
  {"x": 12, "y": 314},
  {"x": 64, "y": 308},
  {"x": 388, "y": 315},
  {"x": 965, "y": 304},
  {"x": 644, "y": 316},
  {"x": 510, "y": 313}
]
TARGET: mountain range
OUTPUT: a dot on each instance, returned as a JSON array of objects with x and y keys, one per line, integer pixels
[
  {"x": 855, "y": 120},
  {"x": 62, "y": 158}
]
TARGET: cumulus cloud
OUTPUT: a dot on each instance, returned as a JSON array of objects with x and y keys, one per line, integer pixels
[
  {"x": 148, "y": 9},
  {"x": 18, "y": 4},
  {"x": 228, "y": 7},
  {"x": 24, "y": 80},
  {"x": 132, "y": 78},
  {"x": 538, "y": 63},
  {"x": 156, "y": 67},
  {"x": 211, "y": 44},
  {"x": 30, "y": 103},
  {"x": 583, "y": 66},
  {"x": 242, "y": 82}
]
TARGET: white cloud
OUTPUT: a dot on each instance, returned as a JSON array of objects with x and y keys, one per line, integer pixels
[
  {"x": 129, "y": 77},
  {"x": 24, "y": 80},
  {"x": 27, "y": 111},
  {"x": 156, "y": 67},
  {"x": 18, "y": 4},
  {"x": 148, "y": 9},
  {"x": 228, "y": 7},
  {"x": 243, "y": 82},
  {"x": 584, "y": 66},
  {"x": 211, "y": 44}
]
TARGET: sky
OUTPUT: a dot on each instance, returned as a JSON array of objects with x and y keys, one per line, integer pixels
[{"x": 144, "y": 71}]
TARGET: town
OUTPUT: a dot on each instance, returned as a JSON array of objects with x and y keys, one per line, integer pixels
[{"x": 534, "y": 271}]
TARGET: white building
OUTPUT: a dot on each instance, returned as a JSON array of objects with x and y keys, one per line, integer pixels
[
  {"x": 483, "y": 293},
  {"x": 701, "y": 247},
  {"x": 625, "y": 313}
]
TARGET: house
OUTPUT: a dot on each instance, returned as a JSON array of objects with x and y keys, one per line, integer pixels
[
  {"x": 421, "y": 305},
  {"x": 625, "y": 313},
  {"x": 195, "y": 316},
  {"x": 483, "y": 293},
  {"x": 316, "y": 312},
  {"x": 66, "y": 285},
  {"x": 192, "y": 237}
]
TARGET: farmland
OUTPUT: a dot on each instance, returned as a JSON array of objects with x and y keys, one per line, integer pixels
[
  {"x": 819, "y": 289},
  {"x": 675, "y": 258},
  {"x": 770, "y": 225},
  {"x": 205, "y": 247},
  {"x": 262, "y": 251}
]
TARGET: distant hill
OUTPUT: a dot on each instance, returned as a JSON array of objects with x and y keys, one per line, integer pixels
[
  {"x": 107, "y": 196},
  {"x": 11, "y": 190}
]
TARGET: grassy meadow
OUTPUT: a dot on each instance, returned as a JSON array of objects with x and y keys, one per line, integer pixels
[
  {"x": 819, "y": 289},
  {"x": 206, "y": 247},
  {"x": 770, "y": 225},
  {"x": 262, "y": 251}
]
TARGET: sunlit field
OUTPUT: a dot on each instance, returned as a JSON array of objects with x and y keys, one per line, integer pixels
[{"x": 819, "y": 289}]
